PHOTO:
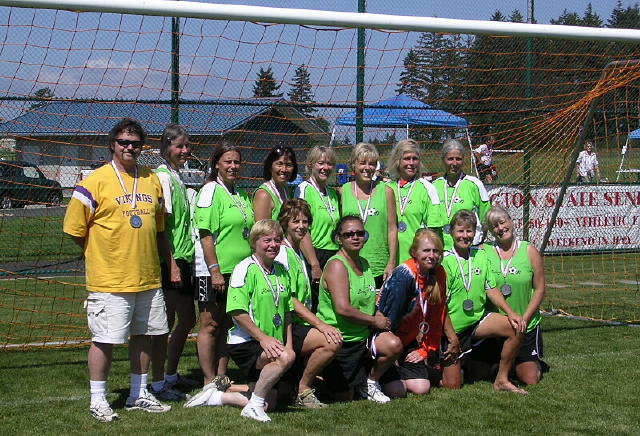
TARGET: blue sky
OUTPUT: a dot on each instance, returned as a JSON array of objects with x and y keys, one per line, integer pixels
[{"x": 110, "y": 56}]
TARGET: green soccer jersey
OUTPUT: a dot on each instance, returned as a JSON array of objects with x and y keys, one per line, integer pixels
[
  {"x": 362, "y": 296},
  {"x": 519, "y": 276},
  {"x": 417, "y": 207},
  {"x": 178, "y": 222},
  {"x": 325, "y": 212},
  {"x": 473, "y": 274},
  {"x": 376, "y": 249},
  {"x": 298, "y": 277},
  {"x": 269, "y": 188},
  {"x": 256, "y": 292},
  {"x": 229, "y": 218},
  {"x": 468, "y": 193}
]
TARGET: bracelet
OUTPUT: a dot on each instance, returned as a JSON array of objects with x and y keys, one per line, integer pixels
[{"x": 213, "y": 265}]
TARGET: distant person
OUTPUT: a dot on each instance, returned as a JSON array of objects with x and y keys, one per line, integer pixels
[
  {"x": 177, "y": 283},
  {"x": 116, "y": 215},
  {"x": 587, "y": 167},
  {"x": 374, "y": 202},
  {"x": 417, "y": 202},
  {"x": 280, "y": 168},
  {"x": 458, "y": 191},
  {"x": 484, "y": 160}
]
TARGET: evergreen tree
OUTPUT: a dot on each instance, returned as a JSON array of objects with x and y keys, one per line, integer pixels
[
  {"x": 516, "y": 16},
  {"x": 590, "y": 18},
  {"x": 622, "y": 18},
  {"x": 42, "y": 94},
  {"x": 411, "y": 82},
  {"x": 300, "y": 90},
  {"x": 266, "y": 85}
]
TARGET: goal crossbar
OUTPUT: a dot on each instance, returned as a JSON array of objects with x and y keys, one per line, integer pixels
[{"x": 331, "y": 18}]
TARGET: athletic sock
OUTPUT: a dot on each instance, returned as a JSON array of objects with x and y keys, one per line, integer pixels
[
  {"x": 138, "y": 385},
  {"x": 171, "y": 378},
  {"x": 256, "y": 401},
  {"x": 98, "y": 390},
  {"x": 157, "y": 385},
  {"x": 216, "y": 399},
  {"x": 371, "y": 382}
]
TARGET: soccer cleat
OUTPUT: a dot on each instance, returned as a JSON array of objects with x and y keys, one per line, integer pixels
[
  {"x": 201, "y": 398},
  {"x": 252, "y": 412},
  {"x": 182, "y": 383},
  {"x": 147, "y": 402},
  {"x": 308, "y": 400},
  {"x": 373, "y": 392},
  {"x": 103, "y": 412},
  {"x": 167, "y": 394}
]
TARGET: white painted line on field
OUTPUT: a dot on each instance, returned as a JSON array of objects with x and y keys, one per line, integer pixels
[
  {"x": 556, "y": 285},
  {"x": 592, "y": 284},
  {"x": 628, "y": 282}
]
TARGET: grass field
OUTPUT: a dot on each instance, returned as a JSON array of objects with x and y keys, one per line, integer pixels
[{"x": 589, "y": 390}]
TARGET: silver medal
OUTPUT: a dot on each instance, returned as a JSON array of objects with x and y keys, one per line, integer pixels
[
  {"x": 467, "y": 305},
  {"x": 277, "y": 320},
  {"x": 135, "y": 221},
  {"x": 505, "y": 289},
  {"x": 402, "y": 226},
  {"x": 245, "y": 233}
]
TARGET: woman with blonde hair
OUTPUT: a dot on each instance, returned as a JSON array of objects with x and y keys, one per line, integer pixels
[
  {"x": 417, "y": 202},
  {"x": 374, "y": 203},
  {"x": 414, "y": 299}
]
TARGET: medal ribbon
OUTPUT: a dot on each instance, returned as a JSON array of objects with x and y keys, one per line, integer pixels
[
  {"x": 467, "y": 284},
  {"x": 327, "y": 203},
  {"x": 124, "y": 188},
  {"x": 505, "y": 269},
  {"x": 449, "y": 204},
  {"x": 178, "y": 177},
  {"x": 300, "y": 260},
  {"x": 272, "y": 187},
  {"x": 402, "y": 203},
  {"x": 237, "y": 203},
  {"x": 275, "y": 294},
  {"x": 363, "y": 214}
]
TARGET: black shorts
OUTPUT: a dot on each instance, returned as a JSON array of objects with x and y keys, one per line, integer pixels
[
  {"x": 406, "y": 370},
  {"x": 299, "y": 334},
  {"x": 348, "y": 368},
  {"x": 204, "y": 292},
  {"x": 246, "y": 355},
  {"x": 466, "y": 338},
  {"x": 323, "y": 256},
  {"x": 532, "y": 348},
  {"x": 185, "y": 277},
  {"x": 379, "y": 281}
]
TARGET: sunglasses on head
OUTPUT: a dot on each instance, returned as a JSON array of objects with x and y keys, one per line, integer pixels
[
  {"x": 125, "y": 142},
  {"x": 358, "y": 233}
]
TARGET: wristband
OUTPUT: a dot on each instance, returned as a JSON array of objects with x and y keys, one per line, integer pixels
[{"x": 213, "y": 265}]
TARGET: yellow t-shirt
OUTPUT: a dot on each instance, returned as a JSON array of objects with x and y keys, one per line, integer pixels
[{"x": 118, "y": 256}]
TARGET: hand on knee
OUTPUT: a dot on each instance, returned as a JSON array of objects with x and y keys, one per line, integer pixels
[{"x": 286, "y": 358}]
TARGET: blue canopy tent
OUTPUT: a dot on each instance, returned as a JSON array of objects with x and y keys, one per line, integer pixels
[
  {"x": 404, "y": 111},
  {"x": 633, "y": 135}
]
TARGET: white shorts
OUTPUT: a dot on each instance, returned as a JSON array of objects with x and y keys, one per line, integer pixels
[{"x": 114, "y": 316}]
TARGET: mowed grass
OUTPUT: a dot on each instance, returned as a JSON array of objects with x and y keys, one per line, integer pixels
[{"x": 589, "y": 390}]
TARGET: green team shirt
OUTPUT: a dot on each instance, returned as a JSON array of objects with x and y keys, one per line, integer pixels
[
  {"x": 250, "y": 292},
  {"x": 325, "y": 211},
  {"x": 519, "y": 277},
  {"x": 482, "y": 278},
  {"x": 362, "y": 296},
  {"x": 470, "y": 195},
  {"x": 376, "y": 249},
  {"x": 298, "y": 277},
  {"x": 178, "y": 223},
  {"x": 221, "y": 215},
  {"x": 422, "y": 210},
  {"x": 277, "y": 204}
]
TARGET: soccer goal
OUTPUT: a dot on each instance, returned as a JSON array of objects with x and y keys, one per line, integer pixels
[{"x": 264, "y": 77}]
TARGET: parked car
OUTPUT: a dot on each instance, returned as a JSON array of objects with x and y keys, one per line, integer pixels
[{"x": 23, "y": 183}]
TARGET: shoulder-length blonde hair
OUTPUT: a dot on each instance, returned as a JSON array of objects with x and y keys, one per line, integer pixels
[
  {"x": 398, "y": 151},
  {"x": 433, "y": 296}
]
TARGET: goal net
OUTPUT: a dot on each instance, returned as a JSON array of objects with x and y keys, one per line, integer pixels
[{"x": 67, "y": 77}]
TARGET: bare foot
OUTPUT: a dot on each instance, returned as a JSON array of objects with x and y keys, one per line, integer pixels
[{"x": 509, "y": 387}]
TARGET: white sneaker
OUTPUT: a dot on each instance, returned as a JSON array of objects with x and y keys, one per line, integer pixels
[
  {"x": 252, "y": 412},
  {"x": 103, "y": 412},
  {"x": 201, "y": 398},
  {"x": 147, "y": 402},
  {"x": 167, "y": 393},
  {"x": 373, "y": 392}
]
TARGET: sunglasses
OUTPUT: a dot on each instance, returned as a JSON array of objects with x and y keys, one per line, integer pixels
[
  {"x": 125, "y": 142},
  {"x": 348, "y": 235}
]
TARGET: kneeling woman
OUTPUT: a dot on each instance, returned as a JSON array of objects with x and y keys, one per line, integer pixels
[
  {"x": 347, "y": 301},
  {"x": 414, "y": 299},
  {"x": 314, "y": 341},
  {"x": 469, "y": 283}
]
